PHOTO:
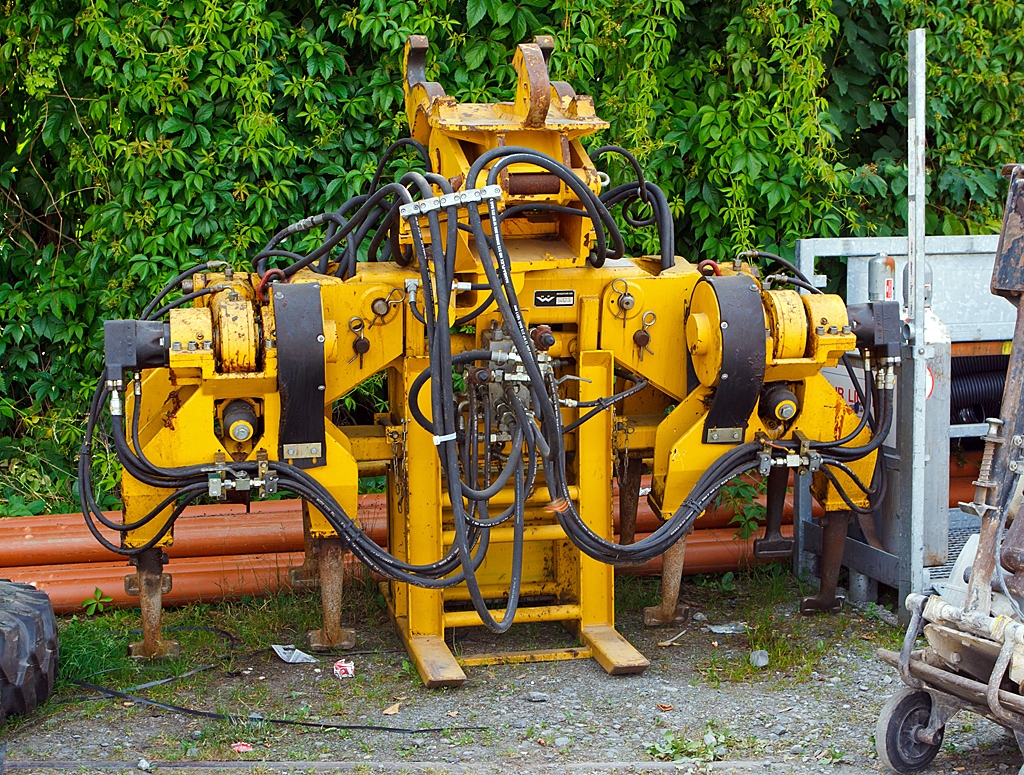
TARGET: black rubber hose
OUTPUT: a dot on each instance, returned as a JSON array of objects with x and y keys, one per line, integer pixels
[
  {"x": 661, "y": 214},
  {"x": 371, "y": 203},
  {"x": 389, "y": 152},
  {"x": 865, "y": 401},
  {"x": 185, "y": 300},
  {"x": 595, "y": 208},
  {"x": 602, "y": 404},
  {"x": 444, "y": 399},
  {"x": 178, "y": 280},
  {"x": 637, "y": 169},
  {"x": 884, "y": 423},
  {"x": 773, "y": 257}
]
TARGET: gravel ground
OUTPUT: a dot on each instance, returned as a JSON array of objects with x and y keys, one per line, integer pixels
[{"x": 813, "y": 716}]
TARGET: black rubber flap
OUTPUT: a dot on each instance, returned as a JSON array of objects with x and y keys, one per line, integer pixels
[
  {"x": 743, "y": 358},
  {"x": 300, "y": 373}
]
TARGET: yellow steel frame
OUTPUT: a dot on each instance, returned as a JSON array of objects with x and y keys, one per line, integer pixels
[{"x": 180, "y": 403}]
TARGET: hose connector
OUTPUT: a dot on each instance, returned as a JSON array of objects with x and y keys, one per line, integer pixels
[{"x": 116, "y": 404}]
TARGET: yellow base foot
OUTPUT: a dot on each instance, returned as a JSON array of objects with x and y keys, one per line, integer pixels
[
  {"x": 613, "y": 652},
  {"x": 435, "y": 663}
]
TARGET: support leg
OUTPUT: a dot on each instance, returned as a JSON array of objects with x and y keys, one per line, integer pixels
[
  {"x": 306, "y": 577},
  {"x": 330, "y": 561},
  {"x": 670, "y": 610},
  {"x": 149, "y": 571},
  {"x": 773, "y": 546},
  {"x": 833, "y": 540},
  {"x": 629, "y": 497}
]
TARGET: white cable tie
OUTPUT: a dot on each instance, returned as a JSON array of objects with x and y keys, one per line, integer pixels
[{"x": 439, "y": 440}]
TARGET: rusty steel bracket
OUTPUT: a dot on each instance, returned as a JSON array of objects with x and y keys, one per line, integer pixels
[
  {"x": 915, "y": 604},
  {"x": 944, "y": 707},
  {"x": 774, "y": 546},
  {"x": 149, "y": 578},
  {"x": 670, "y": 610},
  {"x": 131, "y": 584},
  {"x": 833, "y": 541},
  {"x": 330, "y": 562},
  {"x": 1008, "y": 272}
]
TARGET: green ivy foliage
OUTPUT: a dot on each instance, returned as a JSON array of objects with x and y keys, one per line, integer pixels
[{"x": 140, "y": 137}]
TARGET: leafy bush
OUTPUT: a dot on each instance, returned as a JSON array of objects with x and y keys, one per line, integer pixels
[{"x": 139, "y": 137}]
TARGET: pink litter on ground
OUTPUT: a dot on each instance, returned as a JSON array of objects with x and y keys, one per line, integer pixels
[
  {"x": 344, "y": 669},
  {"x": 241, "y": 747}
]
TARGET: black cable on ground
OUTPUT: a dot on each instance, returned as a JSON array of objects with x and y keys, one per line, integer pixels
[{"x": 244, "y": 720}]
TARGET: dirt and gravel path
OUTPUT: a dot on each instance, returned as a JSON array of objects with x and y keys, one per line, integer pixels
[{"x": 700, "y": 707}]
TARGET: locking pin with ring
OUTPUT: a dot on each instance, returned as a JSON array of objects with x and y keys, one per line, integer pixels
[
  {"x": 361, "y": 345},
  {"x": 382, "y": 306},
  {"x": 625, "y": 301},
  {"x": 642, "y": 337}
]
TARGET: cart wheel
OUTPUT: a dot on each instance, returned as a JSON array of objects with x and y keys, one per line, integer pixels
[{"x": 906, "y": 712}]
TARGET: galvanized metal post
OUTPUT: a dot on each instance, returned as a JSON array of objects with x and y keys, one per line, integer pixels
[{"x": 913, "y": 390}]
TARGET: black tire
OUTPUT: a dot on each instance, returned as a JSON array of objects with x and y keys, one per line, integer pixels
[
  {"x": 906, "y": 712},
  {"x": 28, "y": 649}
]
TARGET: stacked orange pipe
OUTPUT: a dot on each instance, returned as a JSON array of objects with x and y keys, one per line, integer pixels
[{"x": 222, "y": 551}]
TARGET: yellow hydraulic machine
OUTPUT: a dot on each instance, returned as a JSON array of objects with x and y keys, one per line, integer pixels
[{"x": 527, "y": 360}]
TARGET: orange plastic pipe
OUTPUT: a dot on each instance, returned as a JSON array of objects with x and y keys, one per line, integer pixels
[
  {"x": 708, "y": 551},
  {"x": 204, "y": 579},
  {"x": 225, "y": 529},
  {"x": 195, "y": 579},
  {"x": 274, "y": 526},
  {"x": 201, "y": 531}
]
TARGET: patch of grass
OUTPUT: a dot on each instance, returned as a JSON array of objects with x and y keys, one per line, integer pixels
[
  {"x": 705, "y": 746},
  {"x": 791, "y": 645},
  {"x": 634, "y": 593},
  {"x": 764, "y": 597},
  {"x": 93, "y": 646}
]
